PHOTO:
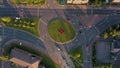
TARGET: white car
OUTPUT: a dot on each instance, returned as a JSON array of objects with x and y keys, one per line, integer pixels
[
  {"x": 58, "y": 49},
  {"x": 17, "y": 18}
]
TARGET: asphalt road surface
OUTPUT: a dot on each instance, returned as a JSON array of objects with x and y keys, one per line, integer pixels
[
  {"x": 8, "y": 34},
  {"x": 38, "y": 12},
  {"x": 57, "y": 55},
  {"x": 88, "y": 36}
]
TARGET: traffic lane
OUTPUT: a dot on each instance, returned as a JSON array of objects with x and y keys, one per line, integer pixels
[
  {"x": 91, "y": 35},
  {"x": 37, "y": 12},
  {"x": 0, "y": 63},
  {"x": 6, "y": 2},
  {"x": 87, "y": 64},
  {"x": 97, "y": 11},
  {"x": 87, "y": 59},
  {"x": 92, "y": 11},
  {"x": 8, "y": 33},
  {"x": 7, "y": 64},
  {"x": 1, "y": 30},
  {"x": 29, "y": 38},
  {"x": 104, "y": 24},
  {"x": 4, "y": 64},
  {"x": 50, "y": 45},
  {"x": 8, "y": 12},
  {"x": 65, "y": 55},
  {"x": 34, "y": 11},
  {"x": 43, "y": 11},
  {"x": 86, "y": 49},
  {"x": 78, "y": 41},
  {"x": 30, "y": 12}
]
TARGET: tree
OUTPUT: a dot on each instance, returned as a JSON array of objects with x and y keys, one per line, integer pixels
[
  {"x": 110, "y": 28},
  {"x": 4, "y": 58},
  {"x": 118, "y": 26},
  {"x": 105, "y": 36},
  {"x": 114, "y": 33},
  {"x": 6, "y": 19}
]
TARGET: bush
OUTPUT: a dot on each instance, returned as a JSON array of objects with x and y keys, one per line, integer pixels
[
  {"x": 6, "y": 19},
  {"x": 4, "y": 58},
  {"x": 77, "y": 53}
]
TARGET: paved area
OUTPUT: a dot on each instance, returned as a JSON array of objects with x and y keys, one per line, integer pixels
[
  {"x": 90, "y": 20},
  {"x": 9, "y": 34},
  {"x": 54, "y": 53},
  {"x": 103, "y": 51},
  {"x": 46, "y": 14}
]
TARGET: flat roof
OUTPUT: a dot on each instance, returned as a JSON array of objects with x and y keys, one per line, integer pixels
[
  {"x": 77, "y": 1},
  {"x": 115, "y": 0}
]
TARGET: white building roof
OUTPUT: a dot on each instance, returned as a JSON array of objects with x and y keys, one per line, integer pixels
[
  {"x": 116, "y": 1},
  {"x": 69, "y": 1},
  {"x": 77, "y": 1}
]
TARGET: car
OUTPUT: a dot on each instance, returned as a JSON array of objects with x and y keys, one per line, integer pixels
[
  {"x": 68, "y": 20},
  {"x": 80, "y": 25},
  {"x": 17, "y": 18},
  {"x": 20, "y": 43},
  {"x": 80, "y": 31},
  {"x": 63, "y": 57},
  {"x": 58, "y": 48}
]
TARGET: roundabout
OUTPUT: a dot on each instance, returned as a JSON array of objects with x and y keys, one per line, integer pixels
[{"x": 61, "y": 31}]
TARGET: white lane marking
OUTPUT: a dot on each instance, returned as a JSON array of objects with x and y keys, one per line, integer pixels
[
  {"x": 43, "y": 22},
  {"x": 96, "y": 29}
]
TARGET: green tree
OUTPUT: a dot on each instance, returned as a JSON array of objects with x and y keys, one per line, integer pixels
[
  {"x": 6, "y": 19},
  {"x": 118, "y": 26},
  {"x": 105, "y": 36},
  {"x": 4, "y": 58}
]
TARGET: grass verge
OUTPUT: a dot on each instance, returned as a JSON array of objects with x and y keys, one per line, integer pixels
[
  {"x": 29, "y": 2},
  {"x": 26, "y": 24},
  {"x": 61, "y": 31},
  {"x": 77, "y": 57}
]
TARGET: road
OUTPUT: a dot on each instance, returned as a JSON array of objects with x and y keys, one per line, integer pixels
[
  {"x": 97, "y": 29},
  {"x": 49, "y": 13},
  {"x": 89, "y": 36},
  {"x": 38, "y": 12},
  {"x": 57, "y": 55},
  {"x": 9, "y": 34}
]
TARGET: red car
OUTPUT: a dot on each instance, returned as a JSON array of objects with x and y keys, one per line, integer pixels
[{"x": 68, "y": 20}]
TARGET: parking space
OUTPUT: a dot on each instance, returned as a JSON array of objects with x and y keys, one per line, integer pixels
[{"x": 103, "y": 51}]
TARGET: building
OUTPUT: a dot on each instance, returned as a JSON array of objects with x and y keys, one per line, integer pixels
[
  {"x": 24, "y": 58},
  {"x": 77, "y": 1},
  {"x": 115, "y": 1}
]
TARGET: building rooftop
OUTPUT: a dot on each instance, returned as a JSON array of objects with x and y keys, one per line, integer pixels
[
  {"x": 115, "y": 1},
  {"x": 24, "y": 58},
  {"x": 77, "y": 1}
]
